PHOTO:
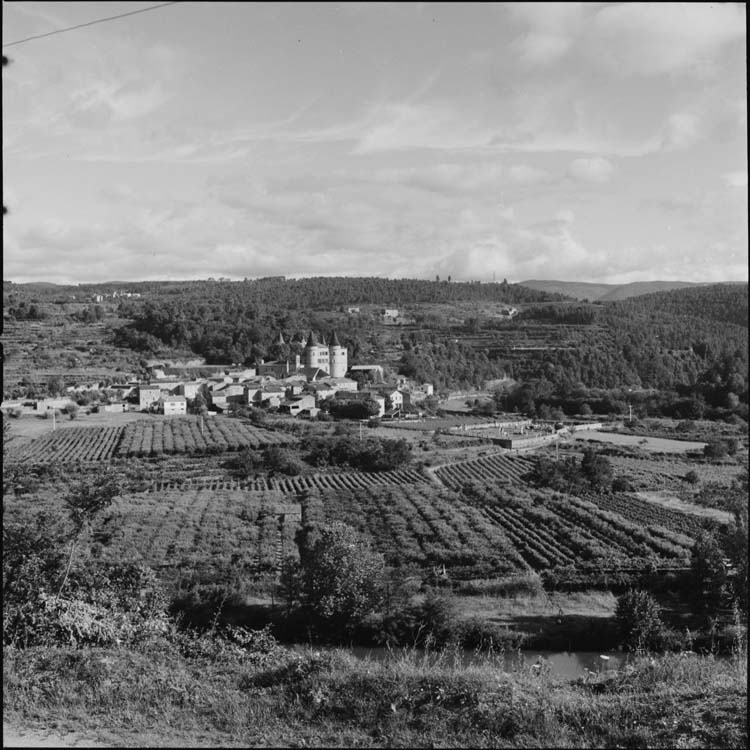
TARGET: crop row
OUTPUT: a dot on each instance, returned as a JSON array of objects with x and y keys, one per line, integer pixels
[
  {"x": 145, "y": 438},
  {"x": 352, "y": 480},
  {"x": 71, "y": 444},
  {"x": 193, "y": 435},
  {"x": 234, "y": 532},
  {"x": 495, "y": 468},
  {"x": 648, "y": 514},
  {"x": 490, "y": 533},
  {"x": 423, "y": 526}
]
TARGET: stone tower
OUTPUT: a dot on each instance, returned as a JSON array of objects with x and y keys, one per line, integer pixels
[
  {"x": 337, "y": 357},
  {"x": 316, "y": 355}
]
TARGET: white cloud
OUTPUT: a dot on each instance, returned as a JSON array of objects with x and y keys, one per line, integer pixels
[
  {"x": 595, "y": 169},
  {"x": 523, "y": 174},
  {"x": 629, "y": 38},
  {"x": 539, "y": 48},
  {"x": 735, "y": 179},
  {"x": 657, "y": 38},
  {"x": 682, "y": 130}
]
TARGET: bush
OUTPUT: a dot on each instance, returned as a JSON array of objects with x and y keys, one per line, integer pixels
[
  {"x": 638, "y": 619},
  {"x": 622, "y": 484},
  {"x": 341, "y": 578},
  {"x": 715, "y": 449},
  {"x": 692, "y": 477}
]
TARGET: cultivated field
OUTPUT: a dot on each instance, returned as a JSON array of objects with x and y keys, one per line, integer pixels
[
  {"x": 498, "y": 468},
  {"x": 211, "y": 531},
  {"x": 144, "y": 437},
  {"x": 648, "y": 443}
]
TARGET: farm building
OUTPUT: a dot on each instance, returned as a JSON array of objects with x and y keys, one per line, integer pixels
[
  {"x": 45, "y": 404},
  {"x": 188, "y": 390},
  {"x": 116, "y": 408},
  {"x": 147, "y": 396},
  {"x": 346, "y": 396},
  {"x": 342, "y": 384},
  {"x": 297, "y": 404},
  {"x": 172, "y": 406}
]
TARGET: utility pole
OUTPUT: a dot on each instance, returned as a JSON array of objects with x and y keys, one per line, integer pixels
[{"x": 630, "y": 412}]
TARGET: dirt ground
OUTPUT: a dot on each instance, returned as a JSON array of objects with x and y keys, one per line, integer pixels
[
  {"x": 30, "y": 426},
  {"x": 652, "y": 444},
  {"x": 670, "y": 500},
  {"x": 16, "y": 737}
]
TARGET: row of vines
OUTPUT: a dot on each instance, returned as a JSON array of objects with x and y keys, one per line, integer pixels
[
  {"x": 497, "y": 468},
  {"x": 183, "y": 435}
]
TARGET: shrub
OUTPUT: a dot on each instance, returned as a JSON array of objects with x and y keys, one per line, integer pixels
[
  {"x": 638, "y": 620},
  {"x": 341, "y": 578},
  {"x": 692, "y": 477},
  {"x": 622, "y": 484},
  {"x": 715, "y": 449}
]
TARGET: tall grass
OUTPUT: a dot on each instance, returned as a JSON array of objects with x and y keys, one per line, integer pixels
[{"x": 418, "y": 698}]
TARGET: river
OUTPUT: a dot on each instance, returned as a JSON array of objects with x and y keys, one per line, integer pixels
[{"x": 562, "y": 663}]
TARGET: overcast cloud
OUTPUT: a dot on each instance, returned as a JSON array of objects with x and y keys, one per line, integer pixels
[{"x": 581, "y": 141}]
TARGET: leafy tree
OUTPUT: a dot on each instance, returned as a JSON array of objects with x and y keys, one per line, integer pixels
[
  {"x": 341, "y": 577},
  {"x": 692, "y": 477},
  {"x": 638, "y": 619},
  {"x": 55, "y": 385},
  {"x": 596, "y": 469},
  {"x": 84, "y": 502},
  {"x": 708, "y": 572},
  {"x": 715, "y": 449},
  {"x": 736, "y": 541}
]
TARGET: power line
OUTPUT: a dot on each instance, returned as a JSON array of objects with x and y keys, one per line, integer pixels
[{"x": 90, "y": 23}]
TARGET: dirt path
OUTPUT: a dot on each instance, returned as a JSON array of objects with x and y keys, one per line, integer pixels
[{"x": 15, "y": 737}]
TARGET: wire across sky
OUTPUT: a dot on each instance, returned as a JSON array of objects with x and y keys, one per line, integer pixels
[{"x": 89, "y": 23}]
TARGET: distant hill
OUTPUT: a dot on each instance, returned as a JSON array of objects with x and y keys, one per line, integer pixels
[
  {"x": 723, "y": 303},
  {"x": 605, "y": 292}
]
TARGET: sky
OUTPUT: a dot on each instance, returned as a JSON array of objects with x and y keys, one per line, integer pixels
[{"x": 599, "y": 142}]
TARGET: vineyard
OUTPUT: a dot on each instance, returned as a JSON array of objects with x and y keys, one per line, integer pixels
[
  {"x": 648, "y": 514},
  {"x": 350, "y": 480},
  {"x": 146, "y": 438},
  {"x": 72, "y": 444},
  {"x": 218, "y": 529},
  {"x": 193, "y": 435},
  {"x": 497, "y": 468},
  {"x": 217, "y": 532},
  {"x": 669, "y": 473},
  {"x": 490, "y": 532}
]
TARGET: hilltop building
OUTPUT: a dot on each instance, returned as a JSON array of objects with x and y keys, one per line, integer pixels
[
  {"x": 331, "y": 357},
  {"x": 318, "y": 360}
]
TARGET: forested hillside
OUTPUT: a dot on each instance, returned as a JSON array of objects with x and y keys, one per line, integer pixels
[
  {"x": 582, "y": 290},
  {"x": 726, "y": 303}
]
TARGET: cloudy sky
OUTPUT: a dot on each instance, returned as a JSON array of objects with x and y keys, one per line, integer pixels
[{"x": 595, "y": 142}]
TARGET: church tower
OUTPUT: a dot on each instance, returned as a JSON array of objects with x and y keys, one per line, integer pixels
[{"x": 337, "y": 356}]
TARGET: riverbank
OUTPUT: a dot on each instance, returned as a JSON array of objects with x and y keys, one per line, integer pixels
[{"x": 159, "y": 697}]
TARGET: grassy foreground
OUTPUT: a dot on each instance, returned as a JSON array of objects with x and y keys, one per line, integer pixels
[{"x": 162, "y": 696}]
